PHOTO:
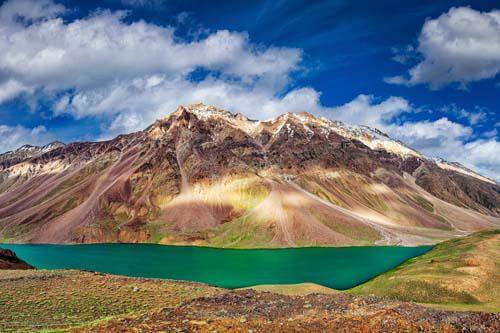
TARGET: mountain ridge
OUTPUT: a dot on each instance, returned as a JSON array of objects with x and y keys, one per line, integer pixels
[
  {"x": 205, "y": 176},
  {"x": 373, "y": 137}
]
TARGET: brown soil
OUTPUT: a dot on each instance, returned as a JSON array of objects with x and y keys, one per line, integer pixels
[{"x": 252, "y": 311}]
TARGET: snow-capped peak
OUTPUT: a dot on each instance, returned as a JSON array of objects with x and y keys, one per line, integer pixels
[
  {"x": 30, "y": 151},
  {"x": 309, "y": 125},
  {"x": 205, "y": 112},
  {"x": 372, "y": 137},
  {"x": 457, "y": 167},
  {"x": 26, "y": 148}
]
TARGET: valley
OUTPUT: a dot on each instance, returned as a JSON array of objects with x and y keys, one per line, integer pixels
[{"x": 249, "y": 166}]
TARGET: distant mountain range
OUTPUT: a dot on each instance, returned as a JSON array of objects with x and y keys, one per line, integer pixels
[{"x": 205, "y": 176}]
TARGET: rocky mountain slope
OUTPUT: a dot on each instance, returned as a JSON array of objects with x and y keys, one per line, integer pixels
[
  {"x": 209, "y": 177},
  {"x": 9, "y": 260}
]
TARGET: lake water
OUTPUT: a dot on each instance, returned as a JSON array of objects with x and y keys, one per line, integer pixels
[{"x": 338, "y": 268}]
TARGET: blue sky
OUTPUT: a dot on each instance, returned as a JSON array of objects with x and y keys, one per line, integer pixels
[{"x": 425, "y": 72}]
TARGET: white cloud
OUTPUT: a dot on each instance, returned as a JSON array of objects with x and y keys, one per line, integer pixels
[
  {"x": 398, "y": 79},
  {"x": 15, "y": 136},
  {"x": 10, "y": 89},
  {"x": 434, "y": 138},
  {"x": 101, "y": 51},
  {"x": 403, "y": 55},
  {"x": 61, "y": 105},
  {"x": 28, "y": 10},
  {"x": 363, "y": 110},
  {"x": 480, "y": 155},
  {"x": 462, "y": 45},
  {"x": 475, "y": 116},
  {"x": 490, "y": 134},
  {"x": 143, "y": 3}
]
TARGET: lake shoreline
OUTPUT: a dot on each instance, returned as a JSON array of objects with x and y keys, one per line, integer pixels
[
  {"x": 228, "y": 248},
  {"x": 333, "y": 267}
]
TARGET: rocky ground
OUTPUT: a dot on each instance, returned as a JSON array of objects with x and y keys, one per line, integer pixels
[{"x": 253, "y": 311}]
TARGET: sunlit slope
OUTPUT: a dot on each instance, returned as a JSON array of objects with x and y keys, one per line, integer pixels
[
  {"x": 204, "y": 176},
  {"x": 462, "y": 273}
]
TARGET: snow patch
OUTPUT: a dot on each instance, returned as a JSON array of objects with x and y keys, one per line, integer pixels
[{"x": 457, "y": 167}]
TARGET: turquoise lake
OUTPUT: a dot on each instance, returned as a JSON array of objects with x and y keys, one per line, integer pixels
[{"x": 338, "y": 268}]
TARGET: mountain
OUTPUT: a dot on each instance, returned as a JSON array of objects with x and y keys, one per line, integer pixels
[
  {"x": 26, "y": 152},
  {"x": 205, "y": 176},
  {"x": 455, "y": 166}
]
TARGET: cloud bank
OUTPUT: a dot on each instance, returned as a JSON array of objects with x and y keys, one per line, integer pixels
[{"x": 460, "y": 46}]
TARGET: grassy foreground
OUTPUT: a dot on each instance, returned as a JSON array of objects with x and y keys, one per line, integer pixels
[
  {"x": 57, "y": 300},
  {"x": 460, "y": 274}
]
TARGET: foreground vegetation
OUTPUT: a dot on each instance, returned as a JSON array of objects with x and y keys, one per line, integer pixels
[
  {"x": 60, "y": 299},
  {"x": 460, "y": 274}
]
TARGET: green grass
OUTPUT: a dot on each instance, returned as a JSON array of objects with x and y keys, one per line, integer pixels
[
  {"x": 241, "y": 233},
  {"x": 54, "y": 300},
  {"x": 461, "y": 273},
  {"x": 358, "y": 231},
  {"x": 155, "y": 231},
  {"x": 424, "y": 203}
]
